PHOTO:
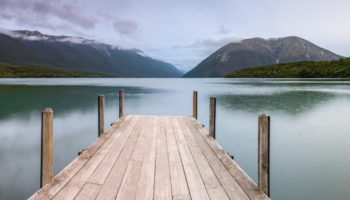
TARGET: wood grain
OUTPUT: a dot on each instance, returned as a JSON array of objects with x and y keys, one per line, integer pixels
[
  {"x": 212, "y": 117},
  {"x": 146, "y": 180},
  {"x": 46, "y": 146},
  {"x": 195, "y": 106},
  {"x": 121, "y": 103},
  {"x": 89, "y": 192},
  {"x": 61, "y": 179},
  {"x": 162, "y": 186},
  {"x": 101, "y": 115},
  {"x": 245, "y": 182},
  {"x": 194, "y": 180},
  {"x": 232, "y": 188},
  {"x": 264, "y": 154},
  {"x": 153, "y": 157},
  {"x": 178, "y": 178}
]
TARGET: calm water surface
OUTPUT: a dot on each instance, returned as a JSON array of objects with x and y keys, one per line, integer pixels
[{"x": 310, "y": 126}]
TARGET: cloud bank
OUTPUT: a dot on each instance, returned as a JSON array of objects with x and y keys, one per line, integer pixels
[
  {"x": 183, "y": 32},
  {"x": 47, "y": 14}
]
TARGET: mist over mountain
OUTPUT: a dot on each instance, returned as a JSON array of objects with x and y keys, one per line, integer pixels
[
  {"x": 23, "y": 47},
  {"x": 257, "y": 52}
]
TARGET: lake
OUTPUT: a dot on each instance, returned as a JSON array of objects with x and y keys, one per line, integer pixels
[{"x": 310, "y": 129}]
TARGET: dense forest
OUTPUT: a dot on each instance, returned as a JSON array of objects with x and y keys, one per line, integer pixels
[
  {"x": 21, "y": 71},
  {"x": 305, "y": 69}
]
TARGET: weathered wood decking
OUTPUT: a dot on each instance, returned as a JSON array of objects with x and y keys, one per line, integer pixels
[{"x": 152, "y": 157}]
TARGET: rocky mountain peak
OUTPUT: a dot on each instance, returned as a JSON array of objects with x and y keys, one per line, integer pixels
[{"x": 256, "y": 52}]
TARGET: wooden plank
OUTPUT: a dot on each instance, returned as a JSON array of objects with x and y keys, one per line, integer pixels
[
  {"x": 146, "y": 180},
  {"x": 246, "y": 183},
  {"x": 89, "y": 192},
  {"x": 212, "y": 117},
  {"x": 111, "y": 186},
  {"x": 61, "y": 179},
  {"x": 208, "y": 176},
  {"x": 217, "y": 193},
  {"x": 78, "y": 181},
  {"x": 130, "y": 181},
  {"x": 99, "y": 176},
  {"x": 46, "y": 146},
  {"x": 121, "y": 103},
  {"x": 232, "y": 188},
  {"x": 177, "y": 173},
  {"x": 145, "y": 188},
  {"x": 194, "y": 180},
  {"x": 264, "y": 154},
  {"x": 101, "y": 115},
  {"x": 151, "y": 157},
  {"x": 162, "y": 186},
  {"x": 195, "y": 106},
  {"x": 203, "y": 166},
  {"x": 143, "y": 140}
]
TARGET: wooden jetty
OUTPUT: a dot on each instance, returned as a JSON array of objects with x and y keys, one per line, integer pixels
[{"x": 153, "y": 157}]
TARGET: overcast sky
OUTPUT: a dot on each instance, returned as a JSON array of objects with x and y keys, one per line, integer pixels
[{"x": 183, "y": 32}]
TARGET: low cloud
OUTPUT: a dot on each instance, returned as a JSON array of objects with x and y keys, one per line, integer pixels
[
  {"x": 42, "y": 13},
  {"x": 126, "y": 27},
  {"x": 210, "y": 42},
  {"x": 205, "y": 46}
]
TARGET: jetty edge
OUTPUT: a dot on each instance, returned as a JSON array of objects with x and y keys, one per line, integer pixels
[{"x": 154, "y": 157}]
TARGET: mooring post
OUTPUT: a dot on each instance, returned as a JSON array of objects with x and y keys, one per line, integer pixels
[
  {"x": 195, "y": 98},
  {"x": 212, "y": 116},
  {"x": 121, "y": 103},
  {"x": 46, "y": 146},
  {"x": 264, "y": 154},
  {"x": 101, "y": 113}
]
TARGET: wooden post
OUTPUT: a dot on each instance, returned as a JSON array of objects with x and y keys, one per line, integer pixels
[
  {"x": 101, "y": 113},
  {"x": 121, "y": 103},
  {"x": 46, "y": 146},
  {"x": 212, "y": 116},
  {"x": 195, "y": 104},
  {"x": 264, "y": 154}
]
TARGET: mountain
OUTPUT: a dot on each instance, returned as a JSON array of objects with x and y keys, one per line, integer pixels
[
  {"x": 33, "y": 48},
  {"x": 257, "y": 52}
]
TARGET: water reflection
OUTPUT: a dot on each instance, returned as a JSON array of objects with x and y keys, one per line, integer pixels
[
  {"x": 309, "y": 130},
  {"x": 22, "y": 100},
  {"x": 75, "y": 128},
  {"x": 290, "y": 102}
]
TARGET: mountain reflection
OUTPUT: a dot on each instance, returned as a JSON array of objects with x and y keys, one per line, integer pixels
[
  {"x": 289, "y": 102},
  {"x": 63, "y": 99}
]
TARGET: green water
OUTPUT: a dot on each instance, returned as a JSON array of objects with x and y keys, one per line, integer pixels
[{"x": 310, "y": 129}]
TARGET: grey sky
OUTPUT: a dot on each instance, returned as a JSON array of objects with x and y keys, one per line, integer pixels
[{"x": 183, "y": 32}]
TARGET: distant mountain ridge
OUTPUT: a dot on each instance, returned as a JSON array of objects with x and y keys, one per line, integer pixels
[
  {"x": 257, "y": 52},
  {"x": 23, "y": 47}
]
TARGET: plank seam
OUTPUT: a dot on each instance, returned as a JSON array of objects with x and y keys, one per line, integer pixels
[
  {"x": 183, "y": 168},
  {"x": 130, "y": 159},
  {"x": 190, "y": 135},
  {"x": 195, "y": 162},
  {"x": 257, "y": 194},
  {"x": 215, "y": 154},
  {"x": 89, "y": 155}
]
